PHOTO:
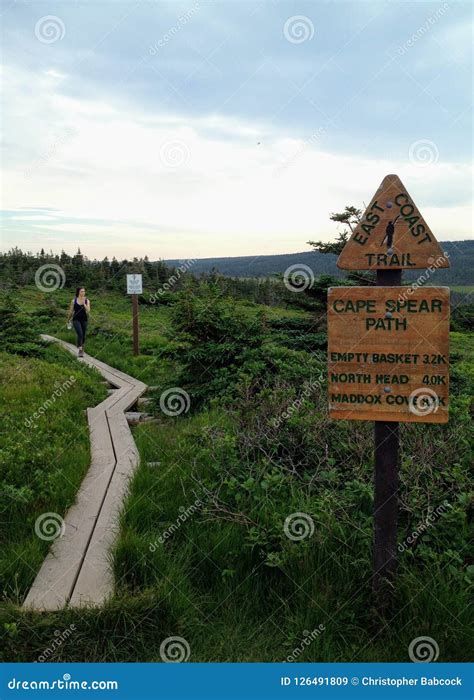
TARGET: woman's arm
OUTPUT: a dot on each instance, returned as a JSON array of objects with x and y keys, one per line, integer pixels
[{"x": 87, "y": 306}]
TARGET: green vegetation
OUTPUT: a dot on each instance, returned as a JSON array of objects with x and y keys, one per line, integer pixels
[
  {"x": 45, "y": 454},
  {"x": 463, "y": 288},
  {"x": 18, "y": 268},
  {"x": 203, "y": 551},
  {"x": 323, "y": 262}
]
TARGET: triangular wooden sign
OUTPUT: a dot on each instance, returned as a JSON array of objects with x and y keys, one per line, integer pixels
[{"x": 392, "y": 234}]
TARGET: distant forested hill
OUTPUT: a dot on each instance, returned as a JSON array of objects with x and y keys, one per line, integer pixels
[{"x": 461, "y": 254}]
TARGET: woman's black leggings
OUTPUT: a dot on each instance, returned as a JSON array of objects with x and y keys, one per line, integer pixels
[{"x": 80, "y": 327}]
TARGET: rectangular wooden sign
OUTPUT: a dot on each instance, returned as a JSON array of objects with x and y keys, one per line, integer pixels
[{"x": 388, "y": 353}]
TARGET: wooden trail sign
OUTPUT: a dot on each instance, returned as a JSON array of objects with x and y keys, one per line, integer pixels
[
  {"x": 388, "y": 353},
  {"x": 392, "y": 234},
  {"x": 135, "y": 287},
  {"x": 388, "y": 350}
]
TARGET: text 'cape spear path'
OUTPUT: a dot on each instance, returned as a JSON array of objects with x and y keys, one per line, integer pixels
[
  {"x": 388, "y": 354},
  {"x": 392, "y": 234}
]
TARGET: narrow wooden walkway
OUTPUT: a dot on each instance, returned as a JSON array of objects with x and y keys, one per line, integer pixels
[{"x": 77, "y": 571}]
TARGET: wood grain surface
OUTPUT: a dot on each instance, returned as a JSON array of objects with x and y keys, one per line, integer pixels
[{"x": 388, "y": 353}]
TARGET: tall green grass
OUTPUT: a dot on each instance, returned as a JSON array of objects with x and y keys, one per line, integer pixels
[{"x": 45, "y": 453}]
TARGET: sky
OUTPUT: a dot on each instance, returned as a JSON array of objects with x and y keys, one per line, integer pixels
[{"x": 221, "y": 128}]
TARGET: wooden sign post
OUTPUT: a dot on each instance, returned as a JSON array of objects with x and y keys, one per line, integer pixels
[
  {"x": 388, "y": 352},
  {"x": 134, "y": 287}
]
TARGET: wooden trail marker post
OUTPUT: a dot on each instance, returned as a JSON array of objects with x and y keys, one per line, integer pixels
[
  {"x": 388, "y": 350},
  {"x": 135, "y": 287}
]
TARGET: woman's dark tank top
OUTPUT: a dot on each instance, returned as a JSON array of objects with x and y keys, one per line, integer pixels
[{"x": 80, "y": 313}]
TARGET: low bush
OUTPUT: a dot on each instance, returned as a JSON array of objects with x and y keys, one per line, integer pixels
[{"x": 19, "y": 331}]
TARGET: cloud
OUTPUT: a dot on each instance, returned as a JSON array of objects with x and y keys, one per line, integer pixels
[
  {"x": 33, "y": 218},
  {"x": 172, "y": 184}
]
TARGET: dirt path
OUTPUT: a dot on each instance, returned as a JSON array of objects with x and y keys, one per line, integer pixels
[{"x": 77, "y": 569}]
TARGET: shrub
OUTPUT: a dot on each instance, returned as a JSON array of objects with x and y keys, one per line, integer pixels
[
  {"x": 213, "y": 342},
  {"x": 19, "y": 333}
]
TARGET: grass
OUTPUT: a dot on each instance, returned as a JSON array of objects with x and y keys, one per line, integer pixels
[
  {"x": 110, "y": 329},
  {"x": 233, "y": 607},
  {"x": 463, "y": 288},
  {"x": 235, "y": 589},
  {"x": 191, "y": 587},
  {"x": 45, "y": 453}
]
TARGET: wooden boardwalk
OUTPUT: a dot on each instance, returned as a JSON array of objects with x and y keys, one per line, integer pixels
[{"x": 77, "y": 571}]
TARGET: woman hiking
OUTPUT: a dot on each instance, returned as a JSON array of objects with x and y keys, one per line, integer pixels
[{"x": 79, "y": 310}]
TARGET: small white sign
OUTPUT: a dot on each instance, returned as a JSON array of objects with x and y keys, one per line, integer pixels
[{"x": 134, "y": 284}]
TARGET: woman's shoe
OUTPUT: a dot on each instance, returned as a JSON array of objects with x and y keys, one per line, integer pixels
[{"x": 80, "y": 353}]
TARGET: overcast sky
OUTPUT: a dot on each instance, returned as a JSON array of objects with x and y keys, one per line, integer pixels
[{"x": 200, "y": 129}]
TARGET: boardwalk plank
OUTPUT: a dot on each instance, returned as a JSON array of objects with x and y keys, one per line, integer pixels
[{"x": 77, "y": 569}]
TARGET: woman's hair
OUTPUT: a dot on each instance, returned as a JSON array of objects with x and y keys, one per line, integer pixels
[{"x": 78, "y": 289}]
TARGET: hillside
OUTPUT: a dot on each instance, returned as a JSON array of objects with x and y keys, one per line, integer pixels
[
  {"x": 461, "y": 255},
  {"x": 239, "y": 455}
]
